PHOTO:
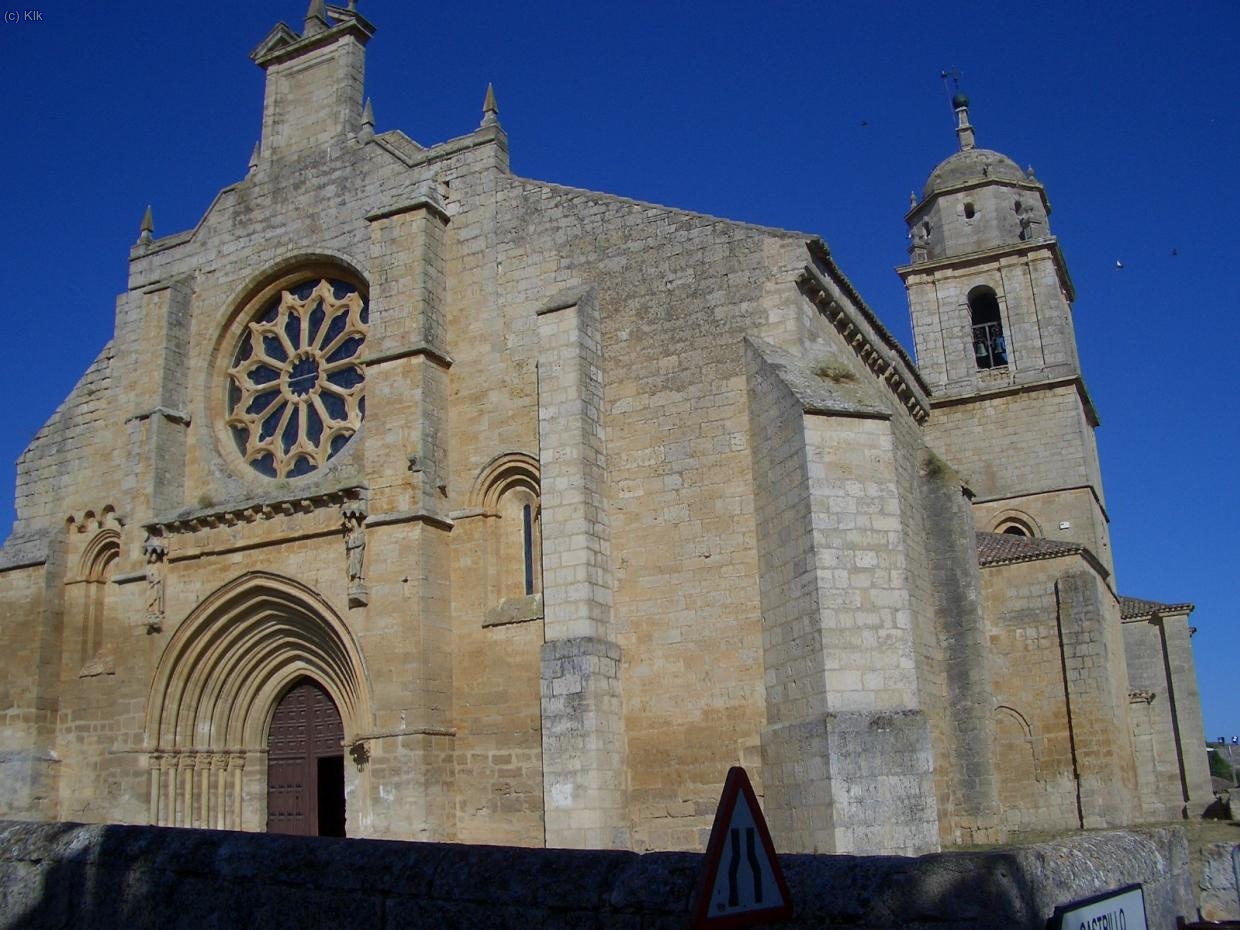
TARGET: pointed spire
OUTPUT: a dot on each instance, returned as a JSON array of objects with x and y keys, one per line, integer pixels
[
  {"x": 367, "y": 132},
  {"x": 490, "y": 109},
  {"x": 964, "y": 129},
  {"x": 316, "y": 18},
  {"x": 258, "y": 148},
  {"x": 147, "y": 228}
]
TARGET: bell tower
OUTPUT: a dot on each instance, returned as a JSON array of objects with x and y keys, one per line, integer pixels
[{"x": 991, "y": 304}]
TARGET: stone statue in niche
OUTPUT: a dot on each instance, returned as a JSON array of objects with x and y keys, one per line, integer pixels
[
  {"x": 156, "y": 551},
  {"x": 353, "y": 520}
]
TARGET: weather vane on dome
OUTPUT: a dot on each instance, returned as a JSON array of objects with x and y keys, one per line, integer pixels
[
  {"x": 959, "y": 104},
  {"x": 954, "y": 76}
]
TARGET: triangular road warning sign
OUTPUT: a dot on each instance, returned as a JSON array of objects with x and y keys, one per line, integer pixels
[{"x": 741, "y": 884}]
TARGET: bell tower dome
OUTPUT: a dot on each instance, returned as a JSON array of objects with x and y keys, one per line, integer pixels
[{"x": 990, "y": 299}]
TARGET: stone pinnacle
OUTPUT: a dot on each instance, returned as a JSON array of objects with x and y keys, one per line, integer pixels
[
  {"x": 148, "y": 225},
  {"x": 490, "y": 109},
  {"x": 316, "y": 18}
]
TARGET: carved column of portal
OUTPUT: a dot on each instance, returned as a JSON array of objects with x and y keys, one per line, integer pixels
[
  {"x": 156, "y": 763},
  {"x": 584, "y": 753}
]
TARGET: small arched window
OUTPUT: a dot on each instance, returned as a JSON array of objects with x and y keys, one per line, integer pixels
[
  {"x": 989, "y": 345},
  {"x": 507, "y": 495},
  {"x": 1013, "y": 525},
  {"x": 96, "y": 569}
]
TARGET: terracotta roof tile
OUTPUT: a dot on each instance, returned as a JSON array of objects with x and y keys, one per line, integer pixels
[
  {"x": 1004, "y": 549},
  {"x": 1130, "y": 608}
]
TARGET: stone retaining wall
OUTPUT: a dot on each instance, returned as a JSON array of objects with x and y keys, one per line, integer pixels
[{"x": 71, "y": 875}]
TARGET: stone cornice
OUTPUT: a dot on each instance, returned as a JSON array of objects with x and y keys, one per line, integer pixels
[
  {"x": 986, "y": 256},
  {"x": 282, "y": 44},
  {"x": 1003, "y": 498},
  {"x": 253, "y": 511},
  {"x": 439, "y": 357},
  {"x": 973, "y": 396},
  {"x": 876, "y": 348}
]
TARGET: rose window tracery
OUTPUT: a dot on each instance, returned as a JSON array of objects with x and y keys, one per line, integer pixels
[{"x": 295, "y": 388}]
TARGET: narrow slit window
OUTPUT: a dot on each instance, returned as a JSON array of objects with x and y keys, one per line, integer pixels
[
  {"x": 527, "y": 540},
  {"x": 989, "y": 344}
]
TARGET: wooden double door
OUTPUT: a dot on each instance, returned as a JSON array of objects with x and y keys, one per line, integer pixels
[{"x": 305, "y": 764}]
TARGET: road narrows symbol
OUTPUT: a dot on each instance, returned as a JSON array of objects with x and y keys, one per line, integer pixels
[
  {"x": 740, "y": 883},
  {"x": 753, "y": 865},
  {"x": 734, "y": 897}
]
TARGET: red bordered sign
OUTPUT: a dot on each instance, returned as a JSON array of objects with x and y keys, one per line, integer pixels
[{"x": 741, "y": 884}]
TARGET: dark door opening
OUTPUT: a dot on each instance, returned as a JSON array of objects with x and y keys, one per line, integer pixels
[{"x": 305, "y": 764}]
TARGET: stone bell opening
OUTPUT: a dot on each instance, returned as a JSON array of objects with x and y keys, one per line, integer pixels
[{"x": 305, "y": 764}]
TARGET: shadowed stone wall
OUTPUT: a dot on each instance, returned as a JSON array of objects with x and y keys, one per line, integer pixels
[{"x": 71, "y": 875}]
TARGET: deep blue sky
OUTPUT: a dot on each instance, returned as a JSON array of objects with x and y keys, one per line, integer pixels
[{"x": 812, "y": 116}]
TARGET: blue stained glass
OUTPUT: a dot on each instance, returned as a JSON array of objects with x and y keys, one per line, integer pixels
[
  {"x": 271, "y": 345},
  {"x": 263, "y": 374},
  {"x": 334, "y": 405},
  {"x": 346, "y": 349},
  {"x": 334, "y": 328},
  {"x": 316, "y": 321},
  {"x": 244, "y": 351},
  {"x": 304, "y": 289},
  {"x": 265, "y": 464},
  {"x": 338, "y": 442},
  {"x": 261, "y": 402},
  {"x": 269, "y": 425},
  {"x": 292, "y": 330},
  {"x": 289, "y": 437},
  {"x": 314, "y": 425},
  {"x": 303, "y": 377},
  {"x": 345, "y": 378},
  {"x": 301, "y": 466}
]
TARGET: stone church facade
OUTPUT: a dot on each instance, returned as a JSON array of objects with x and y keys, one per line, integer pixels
[{"x": 416, "y": 499}]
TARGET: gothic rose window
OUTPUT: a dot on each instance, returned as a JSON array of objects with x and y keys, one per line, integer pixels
[{"x": 295, "y": 386}]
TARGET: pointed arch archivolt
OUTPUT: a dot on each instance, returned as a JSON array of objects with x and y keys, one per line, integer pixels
[{"x": 219, "y": 680}]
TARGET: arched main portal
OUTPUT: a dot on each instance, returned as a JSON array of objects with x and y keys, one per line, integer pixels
[
  {"x": 305, "y": 764},
  {"x": 219, "y": 685}
]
